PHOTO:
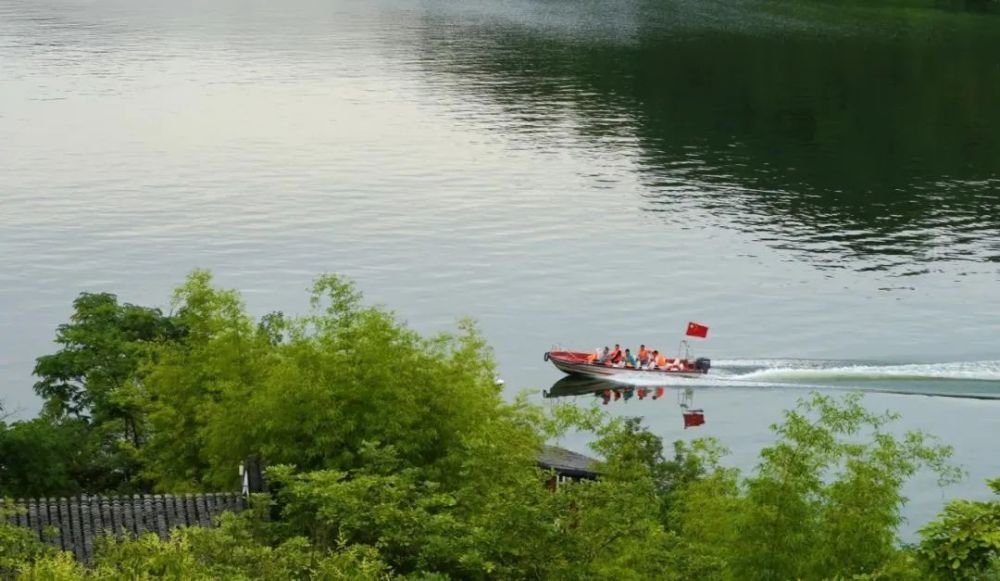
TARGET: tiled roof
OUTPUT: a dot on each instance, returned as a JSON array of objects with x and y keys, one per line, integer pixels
[
  {"x": 77, "y": 521},
  {"x": 567, "y": 462}
]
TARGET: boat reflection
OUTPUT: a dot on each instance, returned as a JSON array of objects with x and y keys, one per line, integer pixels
[{"x": 607, "y": 390}]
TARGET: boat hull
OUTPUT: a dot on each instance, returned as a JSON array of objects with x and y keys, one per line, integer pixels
[{"x": 573, "y": 364}]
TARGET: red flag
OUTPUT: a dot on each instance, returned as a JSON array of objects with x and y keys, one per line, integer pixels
[{"x": 696, "y": 330}]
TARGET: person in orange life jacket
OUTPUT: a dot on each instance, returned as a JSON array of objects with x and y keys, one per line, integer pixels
[
  {"x": 643, "y": 355},
  {"x": 623, "y": 360},
  {"x": 615, "y": 357},
  {"x": 661, "y": 361}
]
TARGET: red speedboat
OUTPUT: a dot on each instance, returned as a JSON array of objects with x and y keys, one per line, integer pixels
[{"x": 582, "y": 363}]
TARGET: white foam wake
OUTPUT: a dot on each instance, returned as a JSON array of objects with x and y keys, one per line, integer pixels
[{"x": 764, "y": 370}]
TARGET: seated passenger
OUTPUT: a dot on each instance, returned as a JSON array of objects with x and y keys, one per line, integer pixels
[
  {"x": 661, "y": 361},
  {"x": 622, "y": 360},
  {"x": 630, "y": 360},
  {"x": 616, "y": 357},
  {"x": 643, "y": 355},
  {"x": 602, "y": 355}
]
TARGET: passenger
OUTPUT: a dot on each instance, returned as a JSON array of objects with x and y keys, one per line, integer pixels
[
  {"x": 643, "y": 355},
  {"x": 602, "y": 355},
  {"x": 630, "y": 360},
  {"x": 661, "y": 361},
  {"x": 615, "y": 358},
  {"x": 651, "y": 361}
]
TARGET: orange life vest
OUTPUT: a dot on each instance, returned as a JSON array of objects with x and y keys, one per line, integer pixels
[{"x": 661, "y": 361}]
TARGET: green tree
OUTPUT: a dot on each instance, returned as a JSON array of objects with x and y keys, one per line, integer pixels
[
  {"x": 42, "y": 457},
  {"x": 101, "y": 349},
  {"x": 309, "y": 391},
  {"x": 94, "y": 380},
  {"x": 824, "y": 501},
  {"x": 964, "y": 541},
  {"x": 193, "y": 386},
  {"x": 498, "y": 520}
]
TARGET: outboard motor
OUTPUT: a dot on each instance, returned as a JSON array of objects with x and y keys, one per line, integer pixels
[{"x": 702, "y": 364}]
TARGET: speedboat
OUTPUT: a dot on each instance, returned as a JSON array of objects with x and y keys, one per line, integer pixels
[{"x": 581, "y": 363}]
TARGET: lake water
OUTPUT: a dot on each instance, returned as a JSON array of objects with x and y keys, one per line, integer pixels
[{"x": 819, "y": 184}]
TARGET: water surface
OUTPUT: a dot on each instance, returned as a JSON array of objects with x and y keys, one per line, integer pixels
[{"x": 818, "y": 183}]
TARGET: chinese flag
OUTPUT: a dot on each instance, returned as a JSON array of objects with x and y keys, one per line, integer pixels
[{"x": 696, "y": 330}]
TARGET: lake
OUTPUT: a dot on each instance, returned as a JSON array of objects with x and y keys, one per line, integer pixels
[{"x": 817, "y": 183}]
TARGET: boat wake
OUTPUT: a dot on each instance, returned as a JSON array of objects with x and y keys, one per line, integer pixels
[
  {"x": 820, "y": 370},
  {"x": 974, "y": 379}
]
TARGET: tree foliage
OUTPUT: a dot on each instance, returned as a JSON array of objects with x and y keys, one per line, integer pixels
[
  {"x": 825, "y": 498},
  {"x": 91, "y": 387},
  {"x": 309, "y": 391},
  {"x": 228, "y": 552},
  {"x": 393, "y": 454},
  {"x": 101, "y": 349},
  {"x": 18, "y": 545},
  {"x": 42, "y": 457},
  {"x": 964, "y": 542}
]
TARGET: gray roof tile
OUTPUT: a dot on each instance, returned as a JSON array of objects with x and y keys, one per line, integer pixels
[
  {"x": 78, "y": 521},
  {"x": 568, "y": 462}
]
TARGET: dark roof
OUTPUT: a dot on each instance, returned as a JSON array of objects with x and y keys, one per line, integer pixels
[
  {"x": 78, "y": 521},
  {"x": 567, "y": 462}
]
